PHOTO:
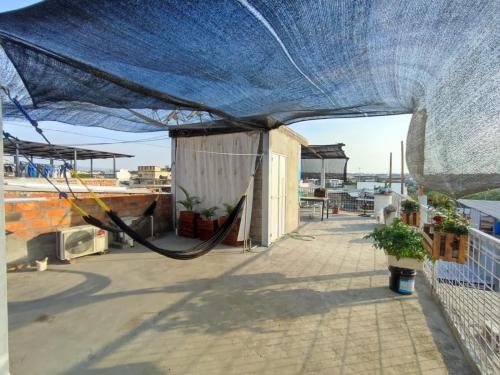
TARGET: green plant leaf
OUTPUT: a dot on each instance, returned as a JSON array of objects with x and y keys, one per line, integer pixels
[{"x": 399, "y": 240}]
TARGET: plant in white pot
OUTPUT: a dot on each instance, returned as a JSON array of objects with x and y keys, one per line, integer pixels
[
  {"x": 405, "y": 253},
  {"x": 401, "y": 243}
]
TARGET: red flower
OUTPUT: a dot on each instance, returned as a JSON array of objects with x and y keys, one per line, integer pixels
[{"x": 437, "y": 219}]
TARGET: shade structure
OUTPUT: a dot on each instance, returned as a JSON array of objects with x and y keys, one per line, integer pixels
[
  {"x": 330, "y": 159},
  {"x": 261, "y": 64},
  {"x": 46, "y": 151}
]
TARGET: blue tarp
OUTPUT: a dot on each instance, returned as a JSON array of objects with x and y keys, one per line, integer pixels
[{"x": 260, "y": 64}]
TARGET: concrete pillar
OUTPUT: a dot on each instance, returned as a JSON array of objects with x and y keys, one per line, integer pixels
[
  {"x": 114, "y": 166},
  {"x": 75, "y": 158},
  {"x": 91, "y": 168},
  {"x": 4, "y": 326},
  {"x": 266, "y": 181}
]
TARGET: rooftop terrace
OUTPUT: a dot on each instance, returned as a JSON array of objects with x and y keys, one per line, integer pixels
[{"x": 320, "y": 306}]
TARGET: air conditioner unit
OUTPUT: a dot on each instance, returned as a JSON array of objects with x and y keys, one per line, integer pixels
[{"x": 79, "y": 241}]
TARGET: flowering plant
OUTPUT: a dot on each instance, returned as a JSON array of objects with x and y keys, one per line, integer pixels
[
  {"x": 437, "y": 220},
  {"x": 452, "y": 223}
]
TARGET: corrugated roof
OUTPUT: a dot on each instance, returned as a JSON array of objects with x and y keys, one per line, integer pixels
[
  {"x": 44, "y": 151},
  {"x": 491, "y": 208},
  {"x": 324, "y": 151}
]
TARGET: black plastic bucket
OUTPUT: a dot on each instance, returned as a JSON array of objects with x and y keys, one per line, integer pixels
[{"x": 402, "y": 280}]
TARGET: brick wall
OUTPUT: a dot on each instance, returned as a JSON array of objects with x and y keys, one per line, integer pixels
[
  {"x": 73, "y": 181},
  {"x": 31, "y": 226}
]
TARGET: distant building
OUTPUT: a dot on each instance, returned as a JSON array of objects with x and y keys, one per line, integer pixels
[
  {"x": 123, "y": 175},
  {"x": 484, "y": 215},
  {"x": 153, "y": 175}
]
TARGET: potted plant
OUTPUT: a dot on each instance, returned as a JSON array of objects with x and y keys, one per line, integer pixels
[
  {"x": 188, "y": 217},
  {"x": 446, "y": 238},
  {"x": 410, "y": 212},
  {"x": 232, "y": 237},
  {"x": 320, "y": 192},
  {"x": 206, "y": 224},
  {"x": 405, "y": 253},
  {"x": 389, "y": 214},
  {"x": 335, "y": 207}
]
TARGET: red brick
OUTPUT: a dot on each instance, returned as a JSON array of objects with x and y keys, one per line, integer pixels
[
  {"x": 58, "y": 221},
  {"x": 39, "y": 223},
  {"x": 15, "y": 226},
  {"x": 59, "y": 212},
  {"x": 52, "y": 203},
  {"x": 26, "y": 206},
  {"x": 28, "y": 215}
]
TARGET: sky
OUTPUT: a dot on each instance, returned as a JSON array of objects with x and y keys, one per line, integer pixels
[{"x": 368, "y": 140}]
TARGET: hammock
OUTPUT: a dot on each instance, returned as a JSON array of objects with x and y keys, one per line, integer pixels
[{"x": 191, "y": 253}]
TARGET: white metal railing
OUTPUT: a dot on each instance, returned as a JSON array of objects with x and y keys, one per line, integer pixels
[{"x": 470, "y": 295}]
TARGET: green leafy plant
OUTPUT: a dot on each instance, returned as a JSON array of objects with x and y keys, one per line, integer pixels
[
  {"x": 441, "y": 201},
  {"x": 409, "y": 205},
  {"x": 190, "y": 201},
  {"x": 208, "y": 213},
  {"x": 451, "y": 223},
  {"x": 229, "y": 208},
  {"x": 399, "y": 240}
]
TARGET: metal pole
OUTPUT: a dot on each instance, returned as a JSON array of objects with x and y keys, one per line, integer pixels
[
  {"x": 323, "y": 182},
  {"x": 114, "y": 166},
  {"x": 4, "y": 342},
  {"x": 91, "y": 168},
  {"x": 402, "y": 167},
  {"x": 75, "y": 158},
  {"x": 390, "y": 169},
  {"x": 17, "y": 162},
  {"x": 345, "y": 170},
  {"x": 173, "y": 188}
]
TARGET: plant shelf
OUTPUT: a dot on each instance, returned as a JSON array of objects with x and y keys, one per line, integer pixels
[{"x": 449, "y": 247}]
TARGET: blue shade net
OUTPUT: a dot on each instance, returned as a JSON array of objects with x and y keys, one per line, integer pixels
[{"x": 129, "y": 65}]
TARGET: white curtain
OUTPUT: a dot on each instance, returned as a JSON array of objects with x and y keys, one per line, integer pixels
[{"x": 218, "y": 169}]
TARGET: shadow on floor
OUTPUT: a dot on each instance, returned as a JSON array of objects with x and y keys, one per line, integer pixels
[
  {"x": 146, "y": 368},
  {"x": 230, "y": 290}
]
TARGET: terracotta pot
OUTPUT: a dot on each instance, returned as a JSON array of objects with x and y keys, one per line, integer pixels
[
  {"x": 187, "y": 224},
  {"x": 232, "y": 237},
  {"x": 335, "y": 210},
  {"x": 206, "y": 228}
]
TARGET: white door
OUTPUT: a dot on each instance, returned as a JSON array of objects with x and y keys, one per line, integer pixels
[{"x": 277, "y": 197}]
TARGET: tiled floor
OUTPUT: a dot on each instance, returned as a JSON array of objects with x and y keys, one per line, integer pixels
[{"x": 320, "y": 306}]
